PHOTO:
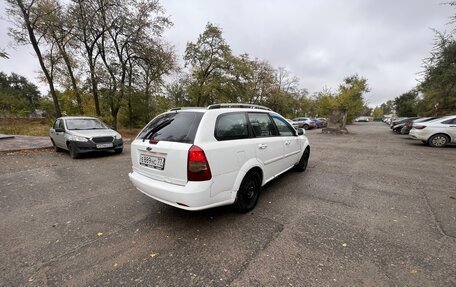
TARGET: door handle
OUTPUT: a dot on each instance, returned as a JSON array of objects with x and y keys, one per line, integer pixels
[{"x": 262, "y": 146}]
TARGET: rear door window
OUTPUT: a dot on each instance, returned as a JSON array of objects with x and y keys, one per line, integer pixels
[
  {"x": 285, "y": 129},
  {"x": 231, "y": 126},
  {"x": 449, "y": 122},
  {"x": 262, "y": 125},
  {"x": 173, "y": 127}
]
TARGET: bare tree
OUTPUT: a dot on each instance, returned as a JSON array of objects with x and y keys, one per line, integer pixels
[
  {"x": 3, "y": 54},
  {"x": 27, "y": 16},
  {"x": 88, "y": 33}
]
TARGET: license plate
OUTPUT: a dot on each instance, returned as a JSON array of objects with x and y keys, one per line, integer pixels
[
  {"x": 104, "y": 145},
  {"x": 152, "y": 161}
]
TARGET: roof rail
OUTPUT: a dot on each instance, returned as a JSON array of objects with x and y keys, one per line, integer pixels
[
  {"x": 184, "y": 108},
  {"x": 231, "y": 105}
]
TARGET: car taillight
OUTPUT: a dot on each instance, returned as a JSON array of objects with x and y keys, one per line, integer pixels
[
  {"x": 197, "y": 166},
  {"x": 419, "y": 127}
]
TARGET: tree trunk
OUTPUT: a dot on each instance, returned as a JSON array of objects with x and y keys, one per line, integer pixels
[
  {"x": 93, "y": 80},
  {"x": 130, "y": 109},
  {"x": 72, "y": 78},
  {"x": 34, "y": 43},
  {"x": 114, "y": 113}
]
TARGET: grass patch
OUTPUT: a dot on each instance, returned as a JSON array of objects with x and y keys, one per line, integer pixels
[
  {"x": 40, "y": 127},
  {"x": 27, "y": 127}
]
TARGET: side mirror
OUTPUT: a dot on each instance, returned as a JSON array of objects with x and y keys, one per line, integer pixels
[
  {"x": 301, "y": 132},
  {"x": 59, "y": 130}
]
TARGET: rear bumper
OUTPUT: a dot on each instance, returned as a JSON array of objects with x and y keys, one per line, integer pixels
[
  {"x": 418, "y": 135},
  {"x": 192, "y": 196}
]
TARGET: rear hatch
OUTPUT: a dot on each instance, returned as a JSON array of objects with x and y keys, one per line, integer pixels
[{"x": 161, "y": 149}]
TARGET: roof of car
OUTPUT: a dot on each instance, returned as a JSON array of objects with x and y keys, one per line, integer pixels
[
  {"x": 221, "y": 108},
  {"x": 76, "y": 117}
]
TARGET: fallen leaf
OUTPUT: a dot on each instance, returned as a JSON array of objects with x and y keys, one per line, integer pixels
[
  {"x": 100, "y": 234},
  {"x": 344, "y": 244},
  {"x": 413, "y": 271},
  {"x": 115, "y": 264},
  {"x": 152, "y": 254}
]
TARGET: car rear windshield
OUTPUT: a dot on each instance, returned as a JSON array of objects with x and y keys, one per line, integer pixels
[{"x": 173, "y": 127}]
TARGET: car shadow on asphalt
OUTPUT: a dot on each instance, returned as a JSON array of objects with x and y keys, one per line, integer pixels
[
  {"x": 221, "y": 211},
  {"x": 413, "y": 142},
  {"x": 95, "y": 154}
]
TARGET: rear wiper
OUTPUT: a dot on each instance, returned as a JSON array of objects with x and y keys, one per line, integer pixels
[{"x": 157, "y": 128}]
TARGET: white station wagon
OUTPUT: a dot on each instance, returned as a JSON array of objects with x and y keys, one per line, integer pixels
[{"x": 199, "y": 158}]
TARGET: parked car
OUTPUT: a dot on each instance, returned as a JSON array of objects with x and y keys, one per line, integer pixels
[
  {"x": 199, "y": 158},
  {"x": 84, "y": 134},
  {"x": 324, "y": 121},
  {"x": 396, "y": 121},
  {"x": 305, "y": 123},
  {"x": 436, "y": 133},
  {"x": 318, "y": 123},
  {"x": 409, "y": 124},
  {"x": 362, "y": 119},
  {"x": 400, "y": 124}
]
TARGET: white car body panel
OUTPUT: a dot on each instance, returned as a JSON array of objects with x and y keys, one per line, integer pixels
[
  {"x": 174, "y": 153},
  {"x": 229, "y": 161},
  {"x": 435, "y": 127}
]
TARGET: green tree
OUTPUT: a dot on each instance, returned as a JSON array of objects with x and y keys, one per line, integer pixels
[
  {"x": 406, "y": 104},
  {"x": 387, "y": 107},
  {"x": 439, "y": 83},
  {"x": 208, "y": 60},
  {"x": 350, "y": 96},
  {"x": 325, "y": 102},
  {"x": 378, "y": 112},
  {"x": 18, "y": 96}
]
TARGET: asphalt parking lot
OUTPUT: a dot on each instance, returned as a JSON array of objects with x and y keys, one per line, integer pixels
[{"x": 373, "y": 209}]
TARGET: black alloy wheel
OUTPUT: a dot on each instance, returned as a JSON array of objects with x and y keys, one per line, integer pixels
[
  {"x": 248, "y": 193},
  {"x": 302, "y": 164}
]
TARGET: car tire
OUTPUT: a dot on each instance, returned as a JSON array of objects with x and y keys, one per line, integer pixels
[
  {"x": 248, "y": 193},
  {"x": 72, "y": 151},
  {"x": 118, "y": 150},
  {"x": 56, "y": 148},
  {"x": 438, "y": 140},
  {"x": 306, "y": 126},
  {"x": 302, "y": 164}
]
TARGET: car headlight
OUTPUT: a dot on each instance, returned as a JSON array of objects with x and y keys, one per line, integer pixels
[
  {"x": 77, "y": 138},
  {"x": 118, "y": 137}
]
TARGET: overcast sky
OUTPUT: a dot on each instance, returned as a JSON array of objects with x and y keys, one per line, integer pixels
[{"x": 320, "y": 42}]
